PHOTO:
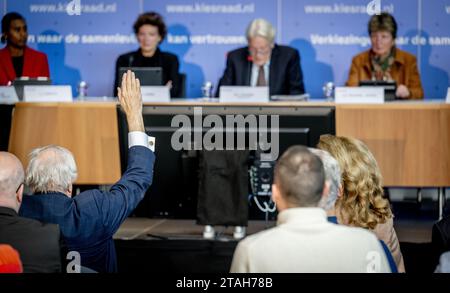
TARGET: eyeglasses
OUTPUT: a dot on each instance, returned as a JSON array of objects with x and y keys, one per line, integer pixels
[
  {"x": 262, "y": 52},
  {"x": 20, "y": 185}
]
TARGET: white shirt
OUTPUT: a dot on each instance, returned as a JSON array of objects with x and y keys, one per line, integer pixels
[
  {"x": 141, "y": 138},
  {"x": 255, "y": 71},
  {"x": 305, "y": 242}
]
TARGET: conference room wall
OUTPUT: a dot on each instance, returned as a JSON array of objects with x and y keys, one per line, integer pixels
[
  {"x": 201, "y": 37},
  {"x": 435, "y": 59}
]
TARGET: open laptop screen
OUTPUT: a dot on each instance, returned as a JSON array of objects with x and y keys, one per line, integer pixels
[{"x": 147, "y": 76}]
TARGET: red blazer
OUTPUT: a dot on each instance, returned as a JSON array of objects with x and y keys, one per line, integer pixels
[{"x": 35, "y": 64}]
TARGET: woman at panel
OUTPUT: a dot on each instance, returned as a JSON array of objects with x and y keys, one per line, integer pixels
[
  {"x": 16, "y": 58},
  {"x": 385, "y": 62},
  {"x": 150, "y": 31}
]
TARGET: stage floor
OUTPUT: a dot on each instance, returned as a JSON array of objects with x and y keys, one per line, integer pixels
[
  {"x": 147, "y": 229},
  {"x": 177, "y": 246}
]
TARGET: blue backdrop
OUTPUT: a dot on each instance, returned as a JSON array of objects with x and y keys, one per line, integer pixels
[{"x": 327, "y": 34}]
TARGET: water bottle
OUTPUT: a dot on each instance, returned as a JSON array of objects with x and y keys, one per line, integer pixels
[
  {"x": 328, "y": 91},
  {"x": 207, "y": 89},
  {"x": 82, "y": 90}
]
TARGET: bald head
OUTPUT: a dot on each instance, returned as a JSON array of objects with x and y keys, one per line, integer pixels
[
  {"x": 11, "y": 175},
  {"x": 300, "y": 177}
]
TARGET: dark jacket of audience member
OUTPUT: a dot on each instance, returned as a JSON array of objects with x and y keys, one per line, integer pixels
[
  {"x": 38, "y": 244},
  {"x": 440, "y": 238}
]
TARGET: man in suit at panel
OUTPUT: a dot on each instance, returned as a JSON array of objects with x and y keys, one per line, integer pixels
[
  {"x": 303, "y": 240},
  {"x": 264, "y": 63},
  {"x": 89, "y": 220},
  {"x": 38, "y": 244}
]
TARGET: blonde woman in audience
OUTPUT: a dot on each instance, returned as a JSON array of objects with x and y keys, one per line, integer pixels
[{"x": 362, "y": 202}]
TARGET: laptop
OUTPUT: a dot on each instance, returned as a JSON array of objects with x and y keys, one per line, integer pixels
[
  {"x": 390, "y": 87},
  {"x": 147, "y": 76},
  {"x": 291, "y": 98},
  {"x": 20, "y": 82}
]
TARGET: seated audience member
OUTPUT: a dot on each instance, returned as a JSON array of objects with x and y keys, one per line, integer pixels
[
  {"x": 440, "y": 238},
  {"x": 264, "y": 63},
  {"x": 150, "y": 31},
  {"x": 303, "y": 240},
  {"x": 385, "y": 62},
  {"x": 89, "y": 220},
  {"x": 362, "y": 203},
  {"x": 333, "y": 179},
  {"x": 16, "y": 58},
  {"x": 444, "y": 263},
  {"x": 9, "y": 260},
  {"x": 38, "y": 244}
]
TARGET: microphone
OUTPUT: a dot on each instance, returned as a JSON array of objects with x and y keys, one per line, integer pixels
[
  {"x": 130, "y": 60},
  {"x": 249, "y": 66}
]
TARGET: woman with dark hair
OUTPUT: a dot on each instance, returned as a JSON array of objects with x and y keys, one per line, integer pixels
[
  {"x": 385, "y": 62},
  {"x": 150, "y": 31},
  {"x": 16, "y": 59}
]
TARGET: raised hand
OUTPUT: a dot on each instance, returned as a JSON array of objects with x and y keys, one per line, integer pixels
[{"x": 130, "y": 99}]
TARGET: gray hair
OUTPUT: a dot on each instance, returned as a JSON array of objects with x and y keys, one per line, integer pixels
[
  {"x": 332, "y": 175},
  {"x": 261, "y": 28},
  {"x": 51, "y": 168},
  {"x": 300, "y": 176}
]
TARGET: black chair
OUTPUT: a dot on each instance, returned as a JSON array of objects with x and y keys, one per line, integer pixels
[
  {"x": 182, "y": 80},
  {"x": 6, "y": 112}
]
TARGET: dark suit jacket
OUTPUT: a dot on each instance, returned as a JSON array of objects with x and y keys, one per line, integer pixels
[
  {"x": 167, "y": 61},
  {"x": 35, "y": 64},
  {"x": 285, "y": 75},
  {"x": 440, "y": 238},
  {"x": 89, "y": 220},
  {"x": 38, "y": 244}
]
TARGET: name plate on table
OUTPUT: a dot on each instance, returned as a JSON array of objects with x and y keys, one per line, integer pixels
[
  {"x": 47, "y": 93},
  {"x": 359, "y": 95},
  {"x": 244, "y": 94},
  {"x": 8, "y": 95},
  {"x": 448, "y": 96},
  {"x": 155, "y": 94}
]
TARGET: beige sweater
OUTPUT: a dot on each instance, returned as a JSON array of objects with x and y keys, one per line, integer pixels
[
  {"x": 305, "y": 242},
  {"x": 386, "y": 233}
]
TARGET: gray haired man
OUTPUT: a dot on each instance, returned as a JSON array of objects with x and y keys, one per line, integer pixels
[{"x": 89, "y": 220}]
